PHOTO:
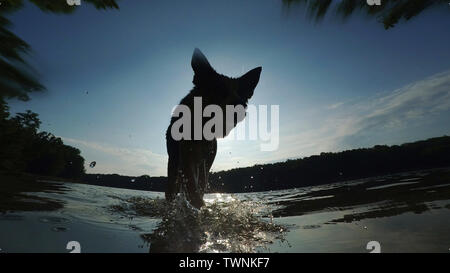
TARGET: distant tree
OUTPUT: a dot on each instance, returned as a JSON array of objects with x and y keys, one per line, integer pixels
[
  {"x": 4, "y": 111},
  {"x": 24, "y": 149},
  {"x": 389, "y": 13},
  {"x": 28, "y": 120},
  {"x": 333, "y": 167}
]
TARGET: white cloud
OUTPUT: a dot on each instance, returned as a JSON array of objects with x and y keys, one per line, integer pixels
[
  {"x": 335, "y": 105},
  {"x": 421, "y": 101},
  {"x": 414, "y": 101}
]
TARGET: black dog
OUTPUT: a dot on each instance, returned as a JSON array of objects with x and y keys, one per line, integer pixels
[{"x": 190, "y": 160}]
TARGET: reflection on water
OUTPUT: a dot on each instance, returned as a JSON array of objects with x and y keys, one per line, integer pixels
[
  {"x": 373, "y": 198},
  {"x": 390, "y": 185},
  {"x": 225, "y": 224},
  {"x": 406, "y": 212}
]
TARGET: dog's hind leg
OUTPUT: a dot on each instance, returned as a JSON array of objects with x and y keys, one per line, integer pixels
[{"x": 173, "y": 183}]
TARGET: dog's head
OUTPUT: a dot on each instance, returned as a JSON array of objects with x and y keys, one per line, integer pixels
[{"x": 217, "y": 89}]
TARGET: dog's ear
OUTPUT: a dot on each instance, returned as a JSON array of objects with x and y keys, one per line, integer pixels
[
  {"x": 200, "y": 65},
  {"x": 248, "y": 82}
]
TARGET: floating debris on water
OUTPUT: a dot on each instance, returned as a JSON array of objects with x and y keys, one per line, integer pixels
[
  {"x": 311, "y": 226},
  {"x": 60, "y": 229}
]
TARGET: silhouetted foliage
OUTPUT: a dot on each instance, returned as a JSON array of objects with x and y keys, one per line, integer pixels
[
  {"x": 24, "y": 149},
  {"x": 334, "y": 167},
  {"x": 389, "y": 13},
  {"x": 16, "y": 79},
  {"x": 314, "y": 170},
  {"x": 143, "y": 182}
]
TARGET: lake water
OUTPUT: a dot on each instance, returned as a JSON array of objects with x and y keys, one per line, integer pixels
[{"x": 406, "y": 212}]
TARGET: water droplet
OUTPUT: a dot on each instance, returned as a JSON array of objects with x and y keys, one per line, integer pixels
[
  {"x": 251, "y": 177},
  {"x": 92, "y": 164},
  {"x": 132, "y": 180}
]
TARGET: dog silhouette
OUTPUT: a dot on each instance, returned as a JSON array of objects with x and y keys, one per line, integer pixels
[{"x": 191, "y": 158}]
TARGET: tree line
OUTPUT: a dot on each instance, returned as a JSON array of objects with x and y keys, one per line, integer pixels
[
  {"x": 143, "y": 182},
  {"x": 313, "y": 170},
  {"x": 24, "y": 149},
  {"x": 335, "y": 167}
]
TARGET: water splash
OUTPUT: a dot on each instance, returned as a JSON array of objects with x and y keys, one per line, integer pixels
[{"x": 224, "y": 224}]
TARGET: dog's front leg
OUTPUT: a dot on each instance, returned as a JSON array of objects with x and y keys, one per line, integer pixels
[
  {"x": 191, "y": 158},
  {"x": 195, "y": 196},
  {"x": 209, "y": 153}
]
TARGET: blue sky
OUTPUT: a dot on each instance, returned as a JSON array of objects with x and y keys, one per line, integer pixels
[{"x": 113, "y": 77}]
